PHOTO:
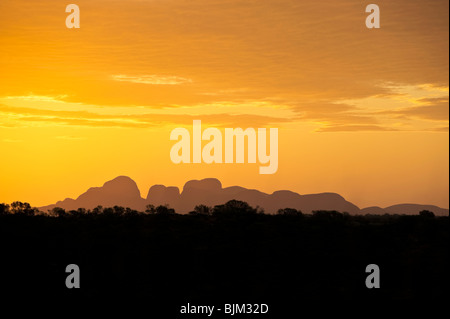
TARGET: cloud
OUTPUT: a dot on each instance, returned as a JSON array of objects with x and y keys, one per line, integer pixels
[
  {"x": 296, "y": 49},
  {"x": 353, "y": 128},
  {"x": 152, "y": 79},
  {"x": 441, "y": 129},
  {"x": 402, "y": 108},
  {"x": 70, "y": 138},
  {"x": 338, "y": 117},
  {"x": 37, "y": 98},
  {"x": 316, "y": 57},
  {"x": 434, "y": 109},
  {"x": 84, "y": 118}
]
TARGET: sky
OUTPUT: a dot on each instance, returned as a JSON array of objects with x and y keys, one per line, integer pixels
[{"x": 360, "y": 112}]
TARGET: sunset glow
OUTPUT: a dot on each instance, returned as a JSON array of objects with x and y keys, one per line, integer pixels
[{"x": 363, "y": 113}]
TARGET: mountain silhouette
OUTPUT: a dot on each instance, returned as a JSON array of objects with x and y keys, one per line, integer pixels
[
  {"x": 123, "y": 191},
  {"x": 414, "y": 209}
]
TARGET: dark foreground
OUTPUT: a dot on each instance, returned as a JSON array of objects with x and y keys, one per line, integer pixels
[{"x": 174, "y": 259}]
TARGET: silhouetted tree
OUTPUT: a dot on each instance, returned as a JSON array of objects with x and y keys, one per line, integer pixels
[
  {"x": 72, "y": 212},
  {"x": 427, "y": 214},
  {"x": 328, "y": 215},
  {"x": 289, "y": 212},
  {"x": 57, "y": 211},
  {"x": 164, "y": 210},
  {"x": 202, "y": 210},
  {"x": 234, "y": 207},
  {"x": 119, "y": 210},
  {"x": 260, "y": 210},
  {"x": 129, "y": 211},
  {"x": 150, "y": 209},
  {"x": 23, "y": 209},
  {"x": 81, "y": 211},
  {"x": 108, "y": 211},
  {"x": 4, "y": 209},
  {"x": 97, "y": 210}
]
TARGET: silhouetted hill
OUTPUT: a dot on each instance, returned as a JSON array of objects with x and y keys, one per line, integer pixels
[
  {"x": 414, "y": 209},
  {"x": 375, "y": 210},
  {"x": 158, "y": 194},
  {"x": 123, "y": 191}
]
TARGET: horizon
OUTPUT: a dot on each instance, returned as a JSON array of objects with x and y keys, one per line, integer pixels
[{"x": 180, "y": 190}]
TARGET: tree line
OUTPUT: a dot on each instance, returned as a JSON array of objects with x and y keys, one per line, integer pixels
[
  {"x": 227, "y": 250},
  {"x": 231, "y": 208}
]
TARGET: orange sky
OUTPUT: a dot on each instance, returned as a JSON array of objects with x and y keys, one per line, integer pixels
[{"x": 360, "y": 112}]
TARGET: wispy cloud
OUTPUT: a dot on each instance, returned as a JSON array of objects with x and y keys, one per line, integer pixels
[
  {"x": 441, "y": 129},
  {"x": 435, "y": 109},
  {"x": 152, "y": 79},
  {"x": 37, "y": 98},
  {"x": 70, "y": 138},
  {"x": 8, "y": 140},
  {"x": 353, "y": 128},
  {"x": 22, "y": 116}
]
